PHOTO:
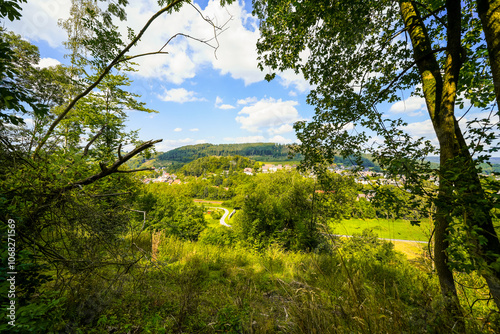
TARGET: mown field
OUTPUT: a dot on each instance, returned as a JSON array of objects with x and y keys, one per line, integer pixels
[{"x": 384, "y": 228}]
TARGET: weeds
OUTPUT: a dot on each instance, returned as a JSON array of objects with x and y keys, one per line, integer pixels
[{"x": 191, "y": 287}]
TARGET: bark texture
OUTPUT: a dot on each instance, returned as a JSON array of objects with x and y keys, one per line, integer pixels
[
  {"x": 440, "y": 91},
  {"x": 440, "y": 108},
  {"x": 489, "y": 13}
]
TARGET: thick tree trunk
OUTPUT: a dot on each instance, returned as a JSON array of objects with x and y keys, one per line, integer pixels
[
  {"x": 439, "y": 99},
  {"x": 478, "y": 215},
  {"x": 442, "y": 221},
  {"x": 489, "y": 13},
  {"x": 440, "y": 88}
]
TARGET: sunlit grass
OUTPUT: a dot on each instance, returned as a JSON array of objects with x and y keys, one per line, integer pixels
[
  {"x": 384, "y": 228},
  {"x": 412, "y": 250}
]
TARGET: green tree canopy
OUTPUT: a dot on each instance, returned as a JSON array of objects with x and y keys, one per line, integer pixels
[{"x": 278, "y": 209}]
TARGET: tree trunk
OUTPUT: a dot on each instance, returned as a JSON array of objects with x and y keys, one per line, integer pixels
[
  {"x": 440, "y": 88},
  {"x": 440, "y": 98},
  {"x": 489, "y": 13}
]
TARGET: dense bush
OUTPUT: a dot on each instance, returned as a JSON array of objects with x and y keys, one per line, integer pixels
[
  {"x": 279, "y": 209},
  {"x": 172, "y": 211},
  {"x": 220, "y": 235}
]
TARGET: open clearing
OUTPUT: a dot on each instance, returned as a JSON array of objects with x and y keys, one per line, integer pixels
[{"x": 384, "y": 228}]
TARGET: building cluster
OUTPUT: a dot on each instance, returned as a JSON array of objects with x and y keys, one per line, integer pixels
[
  {"x": 163, "y": 178},
  {"x": 268, "y": 168}
]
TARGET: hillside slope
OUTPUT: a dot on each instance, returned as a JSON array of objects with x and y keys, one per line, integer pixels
[{"x": 256, "y": 151}]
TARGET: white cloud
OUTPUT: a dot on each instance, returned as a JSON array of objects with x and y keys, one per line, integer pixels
[
  {"x": 412, "y": 106},
  {"x": 348, "y": 126},
  {"x": 39, "y": 21},
  {"x": 178, "y": 129},
  {"x": 421, "y": 129},
  {"x": 289, "y": 78},
  {"x": 236, "y": 53},
  {"x": 226, "y": 107},
  {"x": 179, "y": 95},
  {"x": 249, "y": 139},
  {"x": 280, "y": 130},
  {"x": 29, "y": 122},
  {"x": 170, "y": 144},
  {"x": 220, "y": 105},
  {"x": 268, "y": 113},
  {"x": 48, "y": 62},
  {"x": 280, "y": 140},
  {"x": 247, "y": 100},
  {"x": 194, "y": 129}
]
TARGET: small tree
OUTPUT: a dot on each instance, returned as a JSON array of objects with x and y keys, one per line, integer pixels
[{"x": 278, "y": 208}]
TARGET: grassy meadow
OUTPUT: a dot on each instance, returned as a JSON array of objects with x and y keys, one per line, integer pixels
[
  {"x": 384, "y": 228},
  {"x": 364, "y": 286}
]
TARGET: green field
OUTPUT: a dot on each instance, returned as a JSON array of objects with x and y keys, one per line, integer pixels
[{"x": 384, "y": 228}]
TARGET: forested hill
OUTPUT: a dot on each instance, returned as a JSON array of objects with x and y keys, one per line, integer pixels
[
  {"x": 215, "y": 164},
  {"x": 256, "y": 151}
]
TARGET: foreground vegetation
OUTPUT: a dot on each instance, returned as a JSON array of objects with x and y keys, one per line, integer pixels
[{"x": 362, "y": 285}]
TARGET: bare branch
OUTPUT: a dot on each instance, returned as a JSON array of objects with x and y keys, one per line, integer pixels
[
  {"x": 86, "y": 150},
  {"x": 432, "y": 12},
  {"x": 142, "y": 55},
  {"x": 109, "y": 195},
  {"x": 105, "y": 171},
  {"x": 119, "y": 151},
  {"x": 206, "y": 42}
]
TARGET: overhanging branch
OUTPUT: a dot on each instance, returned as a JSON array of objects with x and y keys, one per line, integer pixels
[{"x": 105, "y": 171}]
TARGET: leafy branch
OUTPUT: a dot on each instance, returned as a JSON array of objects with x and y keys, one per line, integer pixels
[{"x": 105, "y": 72}]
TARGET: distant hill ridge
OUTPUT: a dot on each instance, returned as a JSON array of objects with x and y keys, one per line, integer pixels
[{"x": 256, "y": 151}]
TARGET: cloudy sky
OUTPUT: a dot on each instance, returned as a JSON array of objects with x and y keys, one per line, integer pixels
[{"x": 202, "y": 96}]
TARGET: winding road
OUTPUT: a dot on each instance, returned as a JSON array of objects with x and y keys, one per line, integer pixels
[{"x": 223, "y": 219}]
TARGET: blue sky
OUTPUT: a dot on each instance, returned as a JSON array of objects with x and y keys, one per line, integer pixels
[{"x": 202, "y": 97}]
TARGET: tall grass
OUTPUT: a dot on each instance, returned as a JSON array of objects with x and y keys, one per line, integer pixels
[{"x": 361, "y": 286}]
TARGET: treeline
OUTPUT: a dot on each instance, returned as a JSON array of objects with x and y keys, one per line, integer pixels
[
  {"x": 367, "y": 163},
  {"x": 217, "y": 164},
  {"x": 257, "y": 151}
]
